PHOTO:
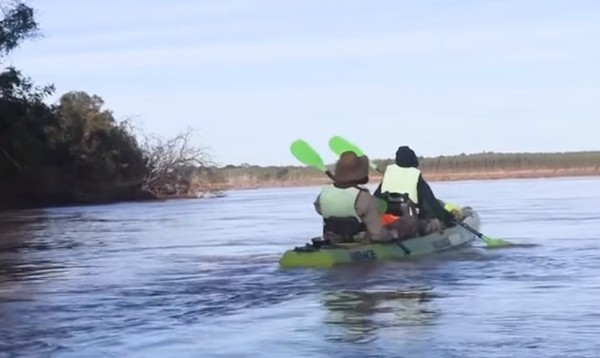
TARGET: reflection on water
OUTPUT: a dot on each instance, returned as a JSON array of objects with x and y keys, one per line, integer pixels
[
  {"x": 360, "y": 314},
  {"x": 18, "y": 266}
]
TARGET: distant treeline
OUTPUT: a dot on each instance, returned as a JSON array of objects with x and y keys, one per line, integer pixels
[
  {"x": 490, "y": 161},
  {"x": 464, "y": 163}
]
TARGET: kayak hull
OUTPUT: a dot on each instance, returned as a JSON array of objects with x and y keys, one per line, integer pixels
[{"x": 329, "y": 256}]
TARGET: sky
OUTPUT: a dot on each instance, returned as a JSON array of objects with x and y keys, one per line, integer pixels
[{"x": 443, "y": 77}]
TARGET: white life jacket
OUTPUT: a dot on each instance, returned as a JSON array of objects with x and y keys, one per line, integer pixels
[{"x": 338, "y": 202}]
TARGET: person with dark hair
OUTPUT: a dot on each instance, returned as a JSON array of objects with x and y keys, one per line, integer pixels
[
  {"x": 349, "y": 210},
  {"x": 408, "y": 194}
]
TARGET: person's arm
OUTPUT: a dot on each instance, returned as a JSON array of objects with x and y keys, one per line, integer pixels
[
  {"x": 366, "y": 207},
  {"x": 317, "y": 205},
  {"x": 377, "y": 192},
  {"x": 429, "y": 201}
]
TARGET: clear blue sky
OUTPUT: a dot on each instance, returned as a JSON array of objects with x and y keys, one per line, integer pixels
[{"x": 252, "y": 75}]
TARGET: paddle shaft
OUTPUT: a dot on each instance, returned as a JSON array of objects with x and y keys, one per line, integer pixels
[{"x": 466, "y": 226}]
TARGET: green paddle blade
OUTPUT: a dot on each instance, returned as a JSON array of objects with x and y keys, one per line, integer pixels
[
  {"x": 495, "y": 242},
  {"x": 489, "y": 242},
  {"x": 306, "y": 154},
  {"x": 339, "y": 145}
]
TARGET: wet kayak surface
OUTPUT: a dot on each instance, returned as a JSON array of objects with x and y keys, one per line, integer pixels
[{"x": 200, "y": 278}]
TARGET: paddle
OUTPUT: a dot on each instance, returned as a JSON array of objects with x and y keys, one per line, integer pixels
[
  {"x": 339, "y": 145},
  {"x": 488, "y": 240},
  {"x": 307, "y": 155}
]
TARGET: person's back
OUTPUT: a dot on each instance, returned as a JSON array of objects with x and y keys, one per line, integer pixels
[
  {"x": 399, "y": 188},
  {"x": 349, "y": 211},
  {"x": 407, "y": 193}
]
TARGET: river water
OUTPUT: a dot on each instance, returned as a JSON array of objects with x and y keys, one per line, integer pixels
[{"x": 200, "y": 278}]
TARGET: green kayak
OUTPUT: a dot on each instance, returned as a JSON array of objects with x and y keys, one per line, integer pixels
[{"x": 328, "y": 256}]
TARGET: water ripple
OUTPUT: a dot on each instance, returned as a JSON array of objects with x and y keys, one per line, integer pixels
[{"x": 200, "y": 278}]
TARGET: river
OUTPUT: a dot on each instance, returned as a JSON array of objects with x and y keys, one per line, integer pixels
[{"x": 200, "y": 278}]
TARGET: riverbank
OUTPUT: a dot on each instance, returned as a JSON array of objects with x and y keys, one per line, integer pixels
[
  {"x": 250, "y": 183},
  {"x": 216, "y": 182},
  {"x": 242, "y": 183}
]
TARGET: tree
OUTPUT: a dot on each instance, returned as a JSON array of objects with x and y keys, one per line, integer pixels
[
  {"x": 98, "y": 148},
  {"x": 173, "y": 163},
  {"x": 18, "y": 24},
  {"x": 83, "y": 114},
  {"x": 75, "y": 151},
  {"x": 23, "y": 115}
]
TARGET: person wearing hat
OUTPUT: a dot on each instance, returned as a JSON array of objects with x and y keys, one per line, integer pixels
[
  {"x": 349, "y": 210},
  {"x": 407, "y": 193}
]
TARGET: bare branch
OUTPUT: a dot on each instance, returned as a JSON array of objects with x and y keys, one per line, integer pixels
[
  {"x": 14, "y": 162},
  {"x": 173, "y": 163}
]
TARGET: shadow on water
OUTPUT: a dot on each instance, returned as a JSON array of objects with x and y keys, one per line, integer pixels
[
  {"x": 361, "y": 314},
  {"x": 514, "y": 245}
]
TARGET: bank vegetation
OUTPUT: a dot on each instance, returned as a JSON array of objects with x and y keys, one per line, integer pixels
[{"x": 75, "y": 151}]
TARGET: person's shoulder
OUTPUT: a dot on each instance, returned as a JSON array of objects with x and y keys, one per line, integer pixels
[
  {"x": 365, "y": 198},
  {"x": 326, "y": 187},
  {"x": 363, "y": 190},
  {"x": 365, "y": 203}
]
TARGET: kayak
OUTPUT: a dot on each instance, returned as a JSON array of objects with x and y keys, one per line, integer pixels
[{"x": 331, "y": 255}]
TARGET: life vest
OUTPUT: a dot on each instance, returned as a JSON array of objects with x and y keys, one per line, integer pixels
[
  {"x": 338, "y": 211},
  {"x": 399, "y": 180}
]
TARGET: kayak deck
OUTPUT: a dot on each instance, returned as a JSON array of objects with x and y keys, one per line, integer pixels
[{"x": 328, "y": 256}]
